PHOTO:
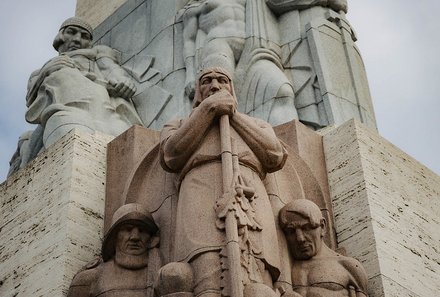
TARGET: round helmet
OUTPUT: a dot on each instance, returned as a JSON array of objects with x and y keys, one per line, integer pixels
[
  {"x": 74, "y": 21},
  {"x": 132, "y": 213}
]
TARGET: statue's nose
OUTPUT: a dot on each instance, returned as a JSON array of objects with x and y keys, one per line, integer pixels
[
  {"x": 300, "y": 235},
  {"x": 77, "y": 37},
  {"x": 215, "y": 85},
  {"x": 134, "y": 234}
]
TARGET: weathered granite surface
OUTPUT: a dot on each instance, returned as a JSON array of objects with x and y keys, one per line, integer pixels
[
  {"x": 387, "y": 211},
  {"x": 51, "y": 216}
]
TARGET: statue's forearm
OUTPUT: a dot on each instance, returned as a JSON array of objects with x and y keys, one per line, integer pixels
[
  {"x": 178, "y": 147},
  {"x": 287, "y": 5},
  {"x": 281, "y": 6},
  {"x": 111, "y": 70},
  {"x": 262, "y": 140}
]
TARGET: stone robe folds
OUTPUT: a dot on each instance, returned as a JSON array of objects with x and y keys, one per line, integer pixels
[{"x": 201, "y": 185}]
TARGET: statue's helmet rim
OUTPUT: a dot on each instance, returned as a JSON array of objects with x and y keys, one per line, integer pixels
[{"x": 132, "y": 213}]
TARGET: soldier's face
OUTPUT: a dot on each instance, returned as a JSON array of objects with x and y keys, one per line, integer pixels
[
  {"x": 304, "y": 239},
  {"x": 213, "y": 82},
  {"x": 75, "y": 38},
  {"x": 132, "y": 239}
]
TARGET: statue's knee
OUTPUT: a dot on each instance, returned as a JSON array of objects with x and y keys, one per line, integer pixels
[
  {"x": 175, "y": 279},
  {"x": 285, "y": 91},
  {"x": 258, "y": 290}
]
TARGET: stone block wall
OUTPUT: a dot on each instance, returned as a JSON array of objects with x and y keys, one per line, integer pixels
[
  {"x": 51, "y": 217},
  {"x": 96, "y": 11},
  {"x": 387, "y": 211}
]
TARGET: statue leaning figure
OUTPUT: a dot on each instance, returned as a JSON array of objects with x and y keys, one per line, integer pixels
[{"x": 84, "y": 87}]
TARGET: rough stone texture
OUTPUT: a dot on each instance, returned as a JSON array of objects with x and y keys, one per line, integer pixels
[
  {"x": 96, "y": 11},
  {"x": 51, "y": 216},
  {"x": 387, "y": 211}
]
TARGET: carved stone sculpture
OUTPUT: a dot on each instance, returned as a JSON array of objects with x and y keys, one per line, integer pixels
[
  {"x": 175, "y": 279},
  {"x": 319, "y": 54},
  {"x": 84, "y": 87},
  {"x": 241, "y": 37},
  {"x": 129, "y": 258},
  {"x": 225, "y": 227},
  {"x": 316, "y": 269},
  {"x": 18, "y": 158}
]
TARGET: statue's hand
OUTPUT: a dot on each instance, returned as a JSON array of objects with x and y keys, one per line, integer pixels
[
  {"x": 58, "y": 63},
  {"x": 338, "y": 5},
  {"x": 124, "y": 89},
  {"x": 221, "y": 103},
  {"x": 190, "y": 89},
  {"x": 287, "y": 292}
]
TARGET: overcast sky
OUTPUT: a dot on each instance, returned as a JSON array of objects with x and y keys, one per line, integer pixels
[{"x": 399, "y": 41}]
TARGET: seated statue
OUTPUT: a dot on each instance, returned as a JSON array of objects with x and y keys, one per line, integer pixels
[
  {"x": 316, "y": 269},
  {"x": 129, "y": 264},
  {"x": 84, "y": 87}
]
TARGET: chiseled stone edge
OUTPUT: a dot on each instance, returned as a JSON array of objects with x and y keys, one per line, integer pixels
[{"x": 387, "y": 209}]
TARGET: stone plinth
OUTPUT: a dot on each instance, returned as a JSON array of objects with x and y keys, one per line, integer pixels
[
  {"x": 51, "y": 217},
  {"x": 387, "y": 211}
]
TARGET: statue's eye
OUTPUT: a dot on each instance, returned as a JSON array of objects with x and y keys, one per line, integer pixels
[
  {"x": 127, "y": 227},
  {"x": 206, "y": 81},
  {"x": 308, "y": 227},
  {"x": 70, "y": 31},
  {"x": 86, "y": 36}
]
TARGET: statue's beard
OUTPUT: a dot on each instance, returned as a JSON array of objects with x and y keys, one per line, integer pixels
[{"x": 132, "y": 262}]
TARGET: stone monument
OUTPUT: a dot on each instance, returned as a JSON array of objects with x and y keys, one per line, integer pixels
[
  {"x": 237, "y": 195},
  {"x": 216, "y": 182}
]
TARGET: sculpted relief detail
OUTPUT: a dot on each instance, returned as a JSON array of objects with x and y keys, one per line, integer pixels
[
  {"x": 290, "y": 59},
  {"x": 230, "y": 205}
]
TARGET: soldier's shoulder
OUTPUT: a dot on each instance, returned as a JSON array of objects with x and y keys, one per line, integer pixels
[{"x": 87, "y": 274}]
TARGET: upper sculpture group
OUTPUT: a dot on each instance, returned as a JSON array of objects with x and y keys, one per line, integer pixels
[{"x": 276, "y": 51}]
